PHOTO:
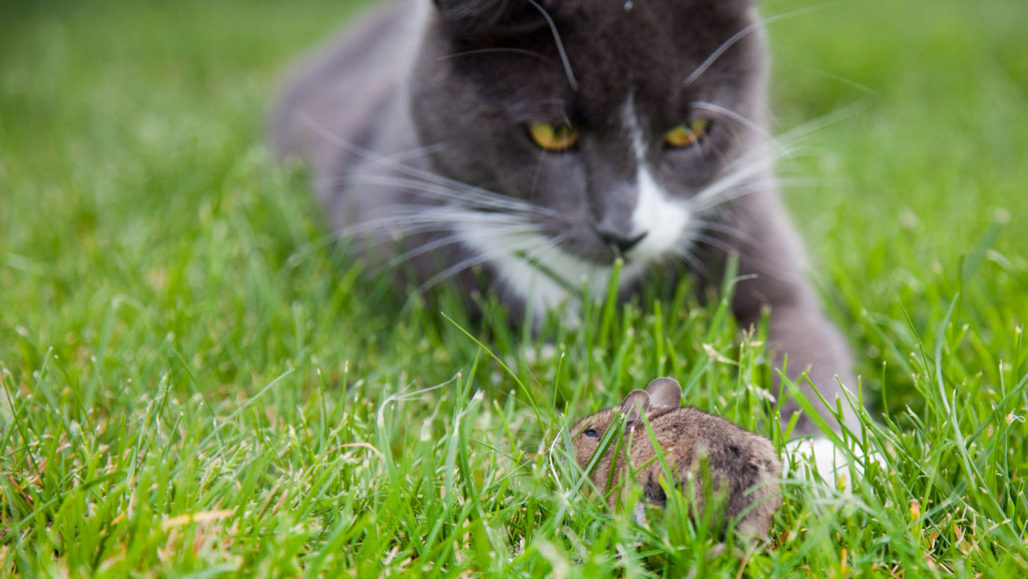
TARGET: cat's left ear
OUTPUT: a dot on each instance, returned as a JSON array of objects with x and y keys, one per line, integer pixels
[{"x": 478, "y": 19}]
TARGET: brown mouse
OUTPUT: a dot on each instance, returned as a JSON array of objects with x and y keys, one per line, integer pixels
[{"x": 743, "y": 467}]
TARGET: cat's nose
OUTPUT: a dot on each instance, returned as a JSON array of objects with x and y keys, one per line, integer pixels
[{"x": 618, "y": 241}]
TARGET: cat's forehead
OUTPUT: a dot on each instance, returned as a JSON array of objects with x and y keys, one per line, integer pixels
[
  {"x": 653, "y": 42},
  {"x": 613, "y": 49},
  {"x": 650, "y": 22}
]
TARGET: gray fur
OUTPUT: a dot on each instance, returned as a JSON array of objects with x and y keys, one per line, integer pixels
[{"x": 413, "y": 124}]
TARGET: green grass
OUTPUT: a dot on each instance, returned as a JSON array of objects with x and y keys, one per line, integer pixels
[{"x": 196, "y": 382}]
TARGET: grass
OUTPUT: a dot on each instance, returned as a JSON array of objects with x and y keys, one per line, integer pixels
[{"x": 194, "y": 381}]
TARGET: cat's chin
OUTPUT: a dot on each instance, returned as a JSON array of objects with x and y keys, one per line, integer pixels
[{"x": 536, "y": 271}]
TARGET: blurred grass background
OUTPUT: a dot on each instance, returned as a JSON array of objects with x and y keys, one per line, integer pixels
[{"x": 158, "y": 272}]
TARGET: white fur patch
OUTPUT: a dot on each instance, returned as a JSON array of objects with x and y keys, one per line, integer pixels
[
  {"x": 535, "y": 283},
  {"x": 664, "y": 219},
  {"x": 820, "y": 458}
]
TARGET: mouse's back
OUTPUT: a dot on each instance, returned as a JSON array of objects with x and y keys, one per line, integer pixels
[{"x": 743, "y": 467}]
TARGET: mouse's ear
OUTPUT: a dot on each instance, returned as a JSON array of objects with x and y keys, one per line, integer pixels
[
  {"x": 635, "y": 405},
  {"x": 665, "y": 393}
]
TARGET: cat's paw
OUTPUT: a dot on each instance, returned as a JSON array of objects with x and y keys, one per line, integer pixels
[{"x": 819, "y": 459}]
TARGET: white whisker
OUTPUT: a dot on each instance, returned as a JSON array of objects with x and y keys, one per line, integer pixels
[
  {"x": 481, "y": 257},
  {"x": 560, "y": 45},
  {"x": 719, "y": 227},
  {"x": 762, "y": 267},
  {"x": 735, "y": 38},
  {"x": 731, "y": 186},
  {"x": 415, "y": 152},
  {"x": 806, "y": 129},
  {"x": 691, "y": 259},
  {"x": 516, "y": 51},
  {"x": 402, "y": 168},
  {"x": 465, "y": 195},
  {"x": 750, "y": 124},
  {"x": 428, "y": 220},
  {"x": 454, "y": 239}
]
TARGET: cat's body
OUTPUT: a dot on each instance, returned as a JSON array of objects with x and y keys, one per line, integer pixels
[{"x": 434, "y": 123}]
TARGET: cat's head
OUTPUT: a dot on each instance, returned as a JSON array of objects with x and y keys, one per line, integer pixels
[{"x": 609, "y": 125}]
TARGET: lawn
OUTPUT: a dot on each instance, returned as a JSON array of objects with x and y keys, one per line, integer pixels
[{"x": 196, "y": 381}]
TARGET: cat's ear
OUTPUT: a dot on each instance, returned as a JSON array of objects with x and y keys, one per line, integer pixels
[{"x": 475, "y": 19}]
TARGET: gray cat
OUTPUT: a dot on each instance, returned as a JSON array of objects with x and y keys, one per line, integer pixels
[{"x": 534, "y": 142}]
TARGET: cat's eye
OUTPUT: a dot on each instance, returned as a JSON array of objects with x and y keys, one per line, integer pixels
[
  {"x": 687, "y": 134},
  {"x": 592, "y": 433},
  {"x": 554, "y": 138}
]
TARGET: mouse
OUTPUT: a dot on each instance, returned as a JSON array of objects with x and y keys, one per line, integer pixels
[{"x": 742, "y": 466}]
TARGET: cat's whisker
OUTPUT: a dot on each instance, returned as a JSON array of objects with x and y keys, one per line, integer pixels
[
  {"x": 738, "y": 36},
  {"x": 725, "y": 229},
  {"x": 790, "y": 141},
  {"x": 453, "y": 239},
  {"x": 744, "y": 246},
  {"x": 416, "y": 152},
  {"x": 441, "y": 219},
  {"x": 765, "y": 267},
  {"x": 480, "y": 51},
  {"x": 399, "y": 221},
  {"x": 720, "y": 50},
  {"x": 732, "y": 186},
  {"x": 465, "y": 196},
  {"x": 460, "y": 193},
  {"x": 385, "y": 161},
  {"x": 753, "y": 164},
  {"x": 741, "y": 119},
  {"x": 806, "y": 183},
  {"x": 691, "y": 259},
  {"x": 481, "y": 257},
  {"x": 717, "y": 197},
  {"x": 835, "y": 117},
  {"x": 572, "y": 81},
  {"x": 540, "y": 255}
]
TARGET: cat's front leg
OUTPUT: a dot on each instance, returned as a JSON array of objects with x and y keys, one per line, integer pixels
[
  {"x": 804, "y": 341},
  {"x": 771, "y": 277}
]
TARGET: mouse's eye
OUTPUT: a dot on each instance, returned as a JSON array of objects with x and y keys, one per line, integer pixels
[
  {"x": 553, "y": 138},
  {"x": 592, "y": 433},
  {"x": 687, "y": 134}
]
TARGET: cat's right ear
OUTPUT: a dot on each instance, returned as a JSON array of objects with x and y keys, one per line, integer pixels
[{"x": 479, "y": 19}]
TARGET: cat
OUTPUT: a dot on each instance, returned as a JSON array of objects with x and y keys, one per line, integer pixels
[{"x": 535, "y": 142}]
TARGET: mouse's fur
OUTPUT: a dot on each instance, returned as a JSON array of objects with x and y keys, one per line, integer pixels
[{"x": 742, "y": 466}]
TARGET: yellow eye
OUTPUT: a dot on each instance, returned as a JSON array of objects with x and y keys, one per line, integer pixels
[
  {"x": 687, "y": 134},
  {"x": 553, "y": 137}
]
